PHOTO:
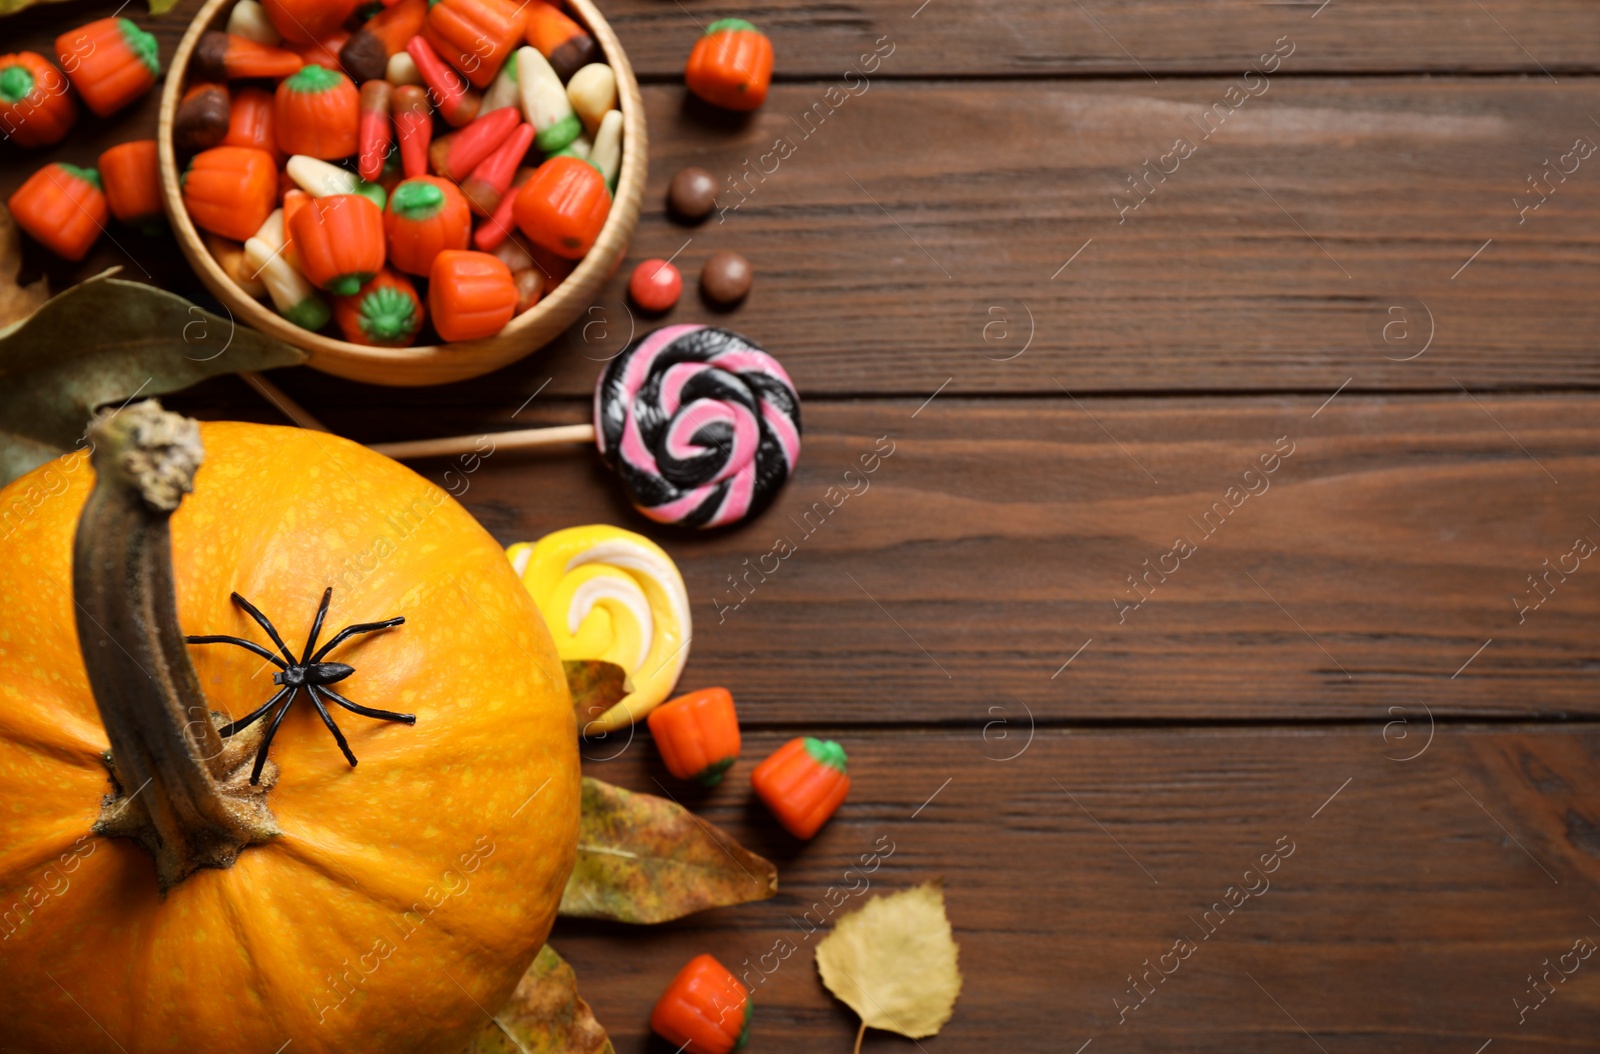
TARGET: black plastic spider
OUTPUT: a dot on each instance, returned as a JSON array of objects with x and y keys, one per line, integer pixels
[{"x": 308, "y": 672}]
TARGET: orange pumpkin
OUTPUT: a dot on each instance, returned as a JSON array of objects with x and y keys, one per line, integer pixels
[{"x": 395, "y": 898}]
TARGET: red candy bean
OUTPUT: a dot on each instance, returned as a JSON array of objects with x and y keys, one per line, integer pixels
[{"x": 655, "y": 285}]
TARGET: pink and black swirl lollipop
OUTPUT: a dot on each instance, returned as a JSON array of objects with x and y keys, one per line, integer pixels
[{"x": 702, "y": 426}]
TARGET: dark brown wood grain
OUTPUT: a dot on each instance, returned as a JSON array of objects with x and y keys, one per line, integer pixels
[
  {"x": 999, "y": 535},
  {"x": 944, "y": 38},
  {"x": 1407, "y": 917},
  {"x": 1033, "y": 38},
  {"x": 1272, "y": 258},
  {"x": 1355, "y": 660}
]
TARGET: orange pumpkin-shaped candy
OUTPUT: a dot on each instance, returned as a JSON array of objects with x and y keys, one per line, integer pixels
[
  {"x": 470, "y": 294},
  {"x": 385, "y": 312},
  {"x": 697, "y": 734},
  {"x": 803, "y": 782},
  {"x": 35, "y": 109},
  {"x": 706, "y": 1010},
  {"x": 250, "y": 121},
  {"x": 425, "y": 216},
  {"x": 324, "y": 907},
  {"x": 339, "y": 240},
  {"x": 131, "y": 175},
  {"x": 731, "y": 65},
  {"x": 317, "y": 112},
  {"x": 230, "y": 190},
  {"x": 307, "y": 21},
  {"x": 110, "y": 61},
  {"x": 563, "y": 206},
  {"x": 62, "y": 206}
]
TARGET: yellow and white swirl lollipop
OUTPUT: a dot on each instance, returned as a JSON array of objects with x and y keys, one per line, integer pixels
[{"x": 610, "y": 594}]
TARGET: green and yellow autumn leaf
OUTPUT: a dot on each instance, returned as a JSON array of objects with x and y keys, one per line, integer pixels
[
  {"x": 645, "y": 859},
  {"x": 544, "y": 1016}
]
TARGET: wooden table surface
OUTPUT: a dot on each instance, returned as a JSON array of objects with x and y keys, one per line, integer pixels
[{"x": 1379, "y": 661}]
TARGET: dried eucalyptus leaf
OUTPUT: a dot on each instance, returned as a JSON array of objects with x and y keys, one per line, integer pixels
[
  {"x": 596, "y": 686},
  {"x": 16, "y": 301},
  {"x": 545, "y": 1015},
  {"x": 894, "y": 962},
  {"x": 103, "y": 342},
  {"x": 645, "y": 859},
  {"x": 11, "y": 7}
]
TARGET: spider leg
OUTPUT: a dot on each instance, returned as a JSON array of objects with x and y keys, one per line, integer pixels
[
  {"x": 350, "y": 631},
  {"x": 266, "y": 624},
  {"x": 327, "y": 719},
  {"x": 366, "y": 711},
  {"x": 316, "y": 626},
  {"x": 250, "y": 644},
  {"x": 266, "y": 741},
  {"x": 255, "y": 715}
]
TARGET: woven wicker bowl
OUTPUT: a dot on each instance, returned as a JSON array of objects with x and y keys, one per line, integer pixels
[{"x": 438, "y": 363}]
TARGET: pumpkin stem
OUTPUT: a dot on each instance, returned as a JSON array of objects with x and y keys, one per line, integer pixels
[{"x": 181, "y": 791}]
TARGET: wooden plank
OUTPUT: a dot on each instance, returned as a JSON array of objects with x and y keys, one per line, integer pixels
[
  {"x": 1041, "y": 37},
  {"x": 1231, "y": 276},
  {"x": 1417, "y": 898},
  {"x": 891, "y": 257},
  {"x": 998, "y": 537}
]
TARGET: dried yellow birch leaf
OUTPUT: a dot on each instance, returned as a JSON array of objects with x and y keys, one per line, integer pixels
[{"x": 894, "y": 962}]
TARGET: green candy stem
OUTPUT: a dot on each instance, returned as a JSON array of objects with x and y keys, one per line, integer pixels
[
  {"x": 313, "y": 79},
  {"x": 388, "y": 315},
  {"x": 416, "y": 200},
  {"x": 311, "y": 313},
  {"x": 826, "y": 752},
  {"x": 142, "y": 44},
  {"x": 88, "y": 175},
  {"x": 711, "y": 775},
  {"x": 744, "y": 1033},
  {"x": 348, "y": 284},
  {"x": 559, "y": 135},
  {"x": 373, "y": 192},
  {"x": 732, "y": 25},
  {"x": 16, "y": 84}
]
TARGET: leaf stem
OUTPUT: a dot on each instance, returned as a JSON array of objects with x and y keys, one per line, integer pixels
[{"x": 860, "y": 1035}]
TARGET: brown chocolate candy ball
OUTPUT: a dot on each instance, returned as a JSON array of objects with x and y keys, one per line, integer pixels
[
  {"x": 693, "y": 193},
  {"x": 725, "y": 278}
]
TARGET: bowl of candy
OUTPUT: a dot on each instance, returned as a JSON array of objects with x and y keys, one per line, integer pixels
[{"x": 413, "y": 191}]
